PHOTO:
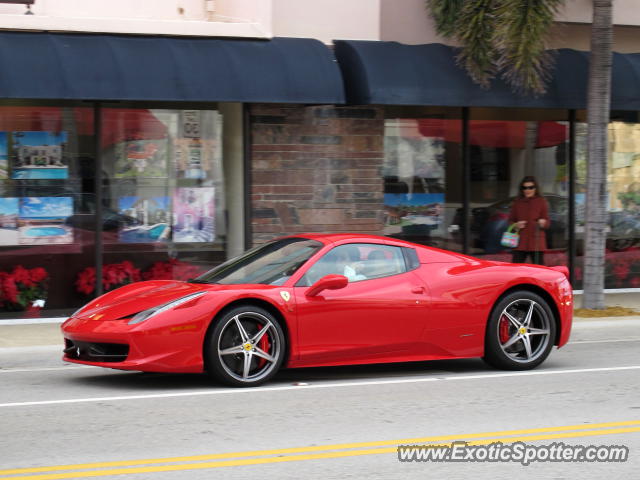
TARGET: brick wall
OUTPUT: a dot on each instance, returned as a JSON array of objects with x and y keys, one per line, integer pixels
[{"x": 316, "y": 169}]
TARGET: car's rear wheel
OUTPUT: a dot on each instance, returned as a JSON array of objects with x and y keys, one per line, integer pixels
[
  {"x": 520, "y": 332},
  {"x": 245, "y": 347}
]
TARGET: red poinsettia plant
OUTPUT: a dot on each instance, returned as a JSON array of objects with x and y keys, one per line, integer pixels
[
  {"x": 172, "y": 269},
  {"x": 23, "y": 288},
  {"x": 114, "y": 275}
]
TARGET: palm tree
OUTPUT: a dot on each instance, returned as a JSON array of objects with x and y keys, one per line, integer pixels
[
  {"x": 598, "y": 104},
  {"x": 509, "y": 38},
  {"x": 505, "y": 37}
]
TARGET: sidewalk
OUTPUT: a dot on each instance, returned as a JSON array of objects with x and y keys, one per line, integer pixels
[
  {"x": 619, "y": 298},
  {"x": 30, "y": 335},
  {"x": 34, "y": 334}
]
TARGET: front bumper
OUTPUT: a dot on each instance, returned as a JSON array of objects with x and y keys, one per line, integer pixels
[{"x": 141, "y": 347}]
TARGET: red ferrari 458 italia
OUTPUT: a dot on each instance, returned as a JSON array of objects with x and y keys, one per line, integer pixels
[{"x": 318, "y": 300}]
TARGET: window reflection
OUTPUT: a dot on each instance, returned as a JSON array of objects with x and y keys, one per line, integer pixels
[
  {"x": 622, "y": 255},
  {"x": 421, "y": 189},
  {"x": 164, "y": 183},
  {"x": 46, "y": 221},
  {"x": 502, "y": 153}
]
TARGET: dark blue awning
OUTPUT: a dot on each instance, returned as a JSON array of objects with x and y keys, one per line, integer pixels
[
  {"x": 390, "y": 73},
  {"x": 117, "y": 67}
]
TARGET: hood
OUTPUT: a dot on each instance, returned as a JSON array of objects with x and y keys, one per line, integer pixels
[{"x": 131, "y": 299}]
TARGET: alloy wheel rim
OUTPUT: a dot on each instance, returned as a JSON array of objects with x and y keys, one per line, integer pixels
[
  {"x": 524, "y": 330},
  {"x": 248, "y": 346}
]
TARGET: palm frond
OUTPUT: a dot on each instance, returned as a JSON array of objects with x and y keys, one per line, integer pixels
[
  {"x": 521, "y": 30},
  {"x": 445, "y": 15},
  {"x": 475, "y": 29}
]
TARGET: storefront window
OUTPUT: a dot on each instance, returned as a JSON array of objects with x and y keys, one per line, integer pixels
[
  {"x": 502, "y": 152},
  {"x": 622, "y": 256},
  {"x": 47, "y": 204},
  {"x": 422, "y": 177},
  {"x": 160, "y": 213},
  {"x": 164, "y": 188}
]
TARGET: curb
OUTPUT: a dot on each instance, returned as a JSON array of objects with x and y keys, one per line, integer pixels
[{"x": 32, "y": 321}]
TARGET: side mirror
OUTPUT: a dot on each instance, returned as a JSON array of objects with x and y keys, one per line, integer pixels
[{"x": 328, "y": 282}]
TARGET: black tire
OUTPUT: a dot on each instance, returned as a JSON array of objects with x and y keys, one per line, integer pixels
[
  {"x": 511, "y": 343},
  {"x": 245, "y": 347}
]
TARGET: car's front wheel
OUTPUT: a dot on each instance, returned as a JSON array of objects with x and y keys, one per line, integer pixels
[
  {"x": 245, "y": 347},
  {"x": 520, "y": 332}
]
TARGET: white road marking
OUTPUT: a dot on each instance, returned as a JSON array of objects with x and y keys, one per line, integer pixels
[
  {"x": 226, "y": 391},
  {"x": 606, "y": 341}
]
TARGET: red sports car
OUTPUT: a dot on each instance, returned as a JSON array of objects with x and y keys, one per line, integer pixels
[{"x": 317, "y": 300}]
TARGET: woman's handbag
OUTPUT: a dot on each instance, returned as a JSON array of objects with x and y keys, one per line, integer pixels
[{"x": 510, "y": 238}]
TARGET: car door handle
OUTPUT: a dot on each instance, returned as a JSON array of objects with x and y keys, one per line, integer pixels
[{"x": 417, "y": 290}]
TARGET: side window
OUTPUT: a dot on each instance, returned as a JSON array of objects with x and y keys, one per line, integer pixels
[
  {"x": 357, "y": 262},
  {"x": 411, "y": 257}
]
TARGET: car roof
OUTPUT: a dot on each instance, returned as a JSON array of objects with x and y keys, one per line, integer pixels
[
  {"x": 328, "y": 238},
  {"x": 426, "y": 253}
]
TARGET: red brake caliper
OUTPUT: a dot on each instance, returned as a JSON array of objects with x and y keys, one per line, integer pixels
[
  {"x": 504, "y": 329},
  {"x": 263, "y": 345}
]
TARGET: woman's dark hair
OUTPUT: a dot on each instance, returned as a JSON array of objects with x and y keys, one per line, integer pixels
[{"x": 529, "y": 179}]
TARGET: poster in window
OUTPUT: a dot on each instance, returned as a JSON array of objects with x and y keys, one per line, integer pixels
[
  {"x": 9, "y": 209},
  {"x": 39, "y": 155},
  {"x": 141, "y": 158},
  {"x": 414, "y": 174},
  {"x": 4, "y": 162},
  {"x": 148, "y": 219},
  {"x": 193, "y": 157},
  {"x": 416, "y": 214},
  {"x": 193, "y": 215},
  {"x": 42, "y": 220},
  {"x": 195, "y": 149}
]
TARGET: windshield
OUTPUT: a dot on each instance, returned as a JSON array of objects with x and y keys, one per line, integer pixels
[{"x": 269, "y": 264}]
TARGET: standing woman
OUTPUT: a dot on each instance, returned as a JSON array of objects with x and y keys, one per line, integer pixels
[{"x": 530, "y": 213}]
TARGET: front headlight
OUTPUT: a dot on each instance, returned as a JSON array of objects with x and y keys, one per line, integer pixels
[{"x": 146, "y": 314}]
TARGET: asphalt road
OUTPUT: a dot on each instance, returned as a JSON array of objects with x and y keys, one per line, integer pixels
[{"x": 68, "y": 421}]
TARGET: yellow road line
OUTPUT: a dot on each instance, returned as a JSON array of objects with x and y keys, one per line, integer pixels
[
  {"x": 545, "y": 435},
  {"x": 339, "y": 446}
]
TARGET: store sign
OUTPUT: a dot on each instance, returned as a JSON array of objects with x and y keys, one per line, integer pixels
[{"x": 190, "y": 124}]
